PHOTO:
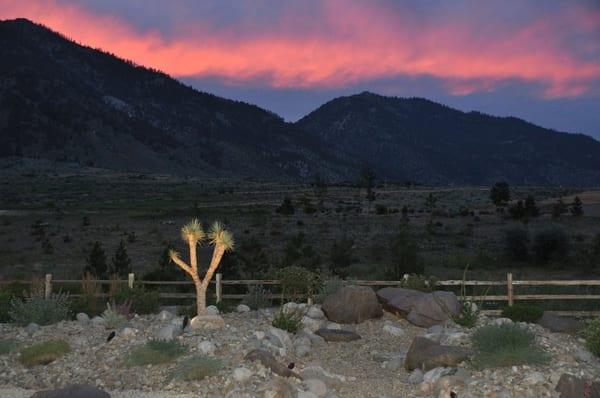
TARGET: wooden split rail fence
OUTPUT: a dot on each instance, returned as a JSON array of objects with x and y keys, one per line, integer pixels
[{"x": 510, "y": 297}]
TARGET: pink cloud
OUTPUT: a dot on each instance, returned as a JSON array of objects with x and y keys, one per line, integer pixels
[{"x": 352, "y": 43}]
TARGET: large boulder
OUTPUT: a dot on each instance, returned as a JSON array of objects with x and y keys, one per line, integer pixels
[
  {"x": 560, "y": 324},
  {"x": 74, "y": 391},
  {"x": 419, "y": 308},
  {"x": 352, "y": 304},
  {"x": 570, "y": 386},
  {"x": 426, "y": 354}
]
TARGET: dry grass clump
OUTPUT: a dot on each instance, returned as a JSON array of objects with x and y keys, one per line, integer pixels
[
  {"x": 155, "y": 352},
  {"x": 197, "y": 368},
  {"x": 44, "y": 353}
]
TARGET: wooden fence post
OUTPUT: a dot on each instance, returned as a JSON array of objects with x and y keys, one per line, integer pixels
[
  {"x": 218, "y": 287},
  {"x": 509, "y": 288},
  {"x": 130, "y": 279},
  {"x": 48, "y": 286}
]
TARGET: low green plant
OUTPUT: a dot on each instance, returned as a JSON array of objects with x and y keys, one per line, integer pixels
[
  {"x": 143, "y": 301},
  {"x": 419, "y": 282},
  {"x": 506, "y": 345},
  {"x": 197, "y": 368},
  {"x": 44, "y": 353},
  {"x": 113, "y": 319},
  {"x": 469, "y": 311},
  {"x": 257, "y": 298},
  {"x": 289, "y": 321},
  {"x": 521, "y": 312},
  {"x": 38, "y": 309},
  {"x": 592, "y": 336},
  {"x": 7, "y": 346},
  {"x": 155, "y": 352},
  {"x": 298, "y": 281}
]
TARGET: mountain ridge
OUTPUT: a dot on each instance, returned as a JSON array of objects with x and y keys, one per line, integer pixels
[{"x": 64, "y": 101}]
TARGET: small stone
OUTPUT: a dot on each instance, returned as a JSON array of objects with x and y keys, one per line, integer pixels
[
  {"x": 167, "y": 333},
  {"x": 534, "y": 378},
  {"x": 98, "y": 321},
  {"x": 393, "y": 330},
  {"x": 315, "y": 386},
  {"x": 312, "y": 324},
  {"x": 315, "y": 313},
  {"x": 259, "y": 335},
  {"x": 242, "y": 308},
  {"x": 212, "y": 310},
  {"x": 82, "y": 317},
  {"x": 242, "y": 374},
  {"x": 207, "y": 322},
  {"x": 433, "y": 375},
  {"x": 268, "y": 360},
  {"x": 415, "y": 377},
  {"x": 74, "y": 391},
  {"x": 32, "y": 328},
  {"x": 165, "y": 316},
  {"x": 127, "y": 332},
  {"x": 502, "y": 321},
  {"x": 582, "y": 355},
  {"x": 302, "y": 350},
  {"x": 207, "y": 347}
]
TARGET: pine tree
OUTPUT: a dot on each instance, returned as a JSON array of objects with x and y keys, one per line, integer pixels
[
  {"x": 121, "y": 263},
  {"x": 500, "y": 193},
  {"x": 96, "y": 262},
  {"x": 577, "y": 207}
]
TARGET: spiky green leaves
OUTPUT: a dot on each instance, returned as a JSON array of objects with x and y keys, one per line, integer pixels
[
  {"x": 193, "y": 231},
  {"x": 220, "y": 237}
]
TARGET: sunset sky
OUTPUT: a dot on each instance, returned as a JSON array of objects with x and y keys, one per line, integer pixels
[{"x": 539, "y": 60}]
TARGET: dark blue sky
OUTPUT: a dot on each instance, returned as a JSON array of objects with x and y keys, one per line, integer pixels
[{"x": 537, "y": 60}]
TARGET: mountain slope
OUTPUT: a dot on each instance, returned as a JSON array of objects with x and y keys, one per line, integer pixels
[
  {"x": 62, "y": 101},
  {"x": 419, "y": 140}
]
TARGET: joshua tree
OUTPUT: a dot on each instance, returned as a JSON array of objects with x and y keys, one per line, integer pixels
[{"x": 194, "y": 234}]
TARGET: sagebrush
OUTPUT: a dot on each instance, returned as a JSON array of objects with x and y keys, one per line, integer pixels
[
  {"x": 197, "y": 368},
  {"x": 38, "y": 309},
  {"x": 155, "y": 352}
]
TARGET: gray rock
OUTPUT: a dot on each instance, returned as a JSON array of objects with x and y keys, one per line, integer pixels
[
  {"x": 281, "y": 339},
  {"x": 315, "y": 313},
  {"x": 167, "y": 333},
  {"x": 534, "y": 378},
  {"x": 419, "y": 308},
  {"x": 316, "y": 386},
  {"x": 207, "y": 347},
  {"x": 582, "y": 355},
  {"x": 277, "y": 388},
  {"x": 82, "y": 317},
  {"x": 32, "y": 328},
  {"x": 212, "y": 310},
  {"x": 268, "y": 361},
  {"x": 207, "y": 322},
  {"x": 315, "y": 340},
  {"x": 242, "y": 374},
  {"x": 165, "y": 316},
  {"x": 337, "y": 335},
  {"x": 560, "y": 324},
  {"x": 416, "y": 377},
  {"x": 242, "y": 308},
  {"x": 570, "y": 386},
  {"x": 433, "y": 375},
  {"x": 312, "y": 324},
  {"x": 332, "y": 380},
  {"x": 502, "y": 321},
  {"x": 393, "y": 330},
  {"x": 127, "y": 332},
  {"x": 74, "y": 391},
  {"x": 302, "y": 350},
  {"x": 427, "y": 354},
  {"x": 352, "y": 304},
  {"x": 98, "y": 321}
]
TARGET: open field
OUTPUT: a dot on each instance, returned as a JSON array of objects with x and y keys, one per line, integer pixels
[{"x": 49, "y": 219}]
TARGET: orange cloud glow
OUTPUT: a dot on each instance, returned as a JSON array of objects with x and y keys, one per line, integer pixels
[{"x": 361, "y": 42}]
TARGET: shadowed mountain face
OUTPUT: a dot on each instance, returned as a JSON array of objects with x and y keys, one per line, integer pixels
[
  {"x": 65, "y": 102},
  {"x": 416, "y": 139}
]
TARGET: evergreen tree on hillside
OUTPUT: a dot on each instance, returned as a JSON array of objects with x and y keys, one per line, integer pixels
[
  {"x": 500, "y": 194},
  {"x": 577, "y": 207},
  {"x": 121, "y": 263},
  {"x": 96, "y": 262}
]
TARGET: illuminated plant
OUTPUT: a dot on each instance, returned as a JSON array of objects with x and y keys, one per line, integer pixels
[{"x": 194, "y": 235}]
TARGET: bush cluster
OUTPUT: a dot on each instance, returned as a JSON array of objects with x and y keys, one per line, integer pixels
[
  {"x": 289, "y": 321},
  {"x": 298, "y": 281},
  {"x": 592, "y": 336},
  {"x": 520, "y": 312},
  {"x": 142, "y": 301},
  {"x": 197, "y": 368},
  {"x": 155, "y": 352},
  {"x": 37, "y": 309}
]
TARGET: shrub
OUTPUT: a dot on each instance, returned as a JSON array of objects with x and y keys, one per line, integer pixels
[
  {"x": 44, "y": 353},
  {"x": 592, "y": 336},
  {"x": 286, "y": 207},
  {"x": 341, "y": 255},
  {"x": 516, "y": 241},
  {"x": 506, "y": 345},
  {"x": 298, "y": 281},
  {"x": 7, "y": 346},
  {"x": 521, "y": 312},
  {"x": 155, "y": 352},
  {"x": 197, "y": 368},
  {"x": 329, "y": 287},
  {"x": 95, "y": 263},
  {"x": 112, "y": 318},
  {"x": 256, "y": 298},
  {"x": 419, "y": 282},
  {"x": 4, "y": 307},
  {"x": 404, "y": 256},
  {"x": 38, "y": 309},
  {"x": 289, "y": 321},
  {"x": 550, "y": 244},
  {"x": 143, "y": 301}
]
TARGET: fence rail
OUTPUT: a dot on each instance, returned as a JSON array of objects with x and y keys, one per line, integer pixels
[{"x": 510, "y": 297}]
